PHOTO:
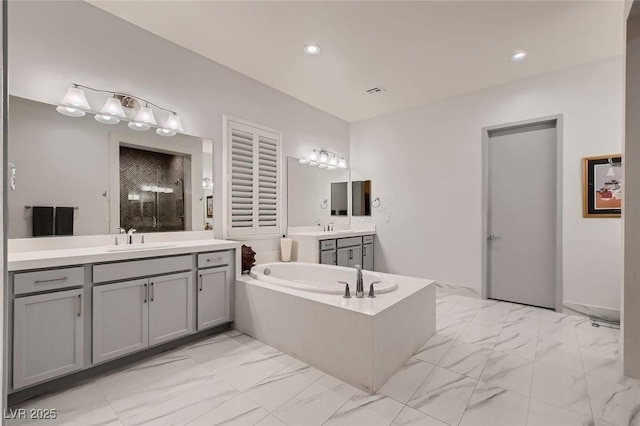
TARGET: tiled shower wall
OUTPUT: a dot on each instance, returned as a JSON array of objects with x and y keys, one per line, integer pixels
[{"x": 151, "y": 191}]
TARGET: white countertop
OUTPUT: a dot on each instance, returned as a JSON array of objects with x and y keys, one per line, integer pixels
[
  {"x": 367, "y": 306},
  {"x": 326, "y": 235},
  {"x": 36, "y": 259}
]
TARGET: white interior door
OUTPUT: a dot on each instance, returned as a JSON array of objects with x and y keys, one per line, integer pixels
[{"x": 522, "y": 214}]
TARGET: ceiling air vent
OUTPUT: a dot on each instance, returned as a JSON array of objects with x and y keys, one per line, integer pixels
[{"x": 375, "y": 90}]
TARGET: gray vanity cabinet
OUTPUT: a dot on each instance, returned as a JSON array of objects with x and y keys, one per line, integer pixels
[
  {"x": 214, "y": 287},
  {"x": 170, "y": 307},
  {"x": 350, "y": 256},
  {"x": 48, "y": 336},
  {"x": 329, "y": 257},
  {"x": 367, "y": 257},
  {"x": 120, "y": 319}
]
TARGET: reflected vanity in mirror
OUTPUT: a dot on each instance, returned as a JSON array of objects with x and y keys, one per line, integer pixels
[
  {"x": 316, "y": 195},
  {"x": 113, "y": 176}
]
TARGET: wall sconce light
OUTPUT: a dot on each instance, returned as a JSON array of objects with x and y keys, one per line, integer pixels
[
  {"x": 75, "y": 104},
  {"x": 324, "y": 159}
]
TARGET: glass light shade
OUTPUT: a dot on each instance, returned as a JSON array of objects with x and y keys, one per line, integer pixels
[
  {"x": 145, "y": 115},
  {"x": 173, "y": 123},
  {"x": 331, "y": 167},
  {"x": 333, "y": 161},
  {"x": 165, "y": 132},
  {"x": 324, "y": 158},
  {"x": 70, "y": 111},
  {"x": 113, "y": 107},
  {"x": 75, "y": 98},
  {"x": 322, "y": 165},
  {"x": 313, "y": 163},
  {"x": 342, "y": 163},
  {"x": 135, "y": 125},
  {"x": 303, "y": 161},
  {"x": 107, "y": 119},
  {"x": 313, "y": 156},
  {"x": 610, "y": 172}
]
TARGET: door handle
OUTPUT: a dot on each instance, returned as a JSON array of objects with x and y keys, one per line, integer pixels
[
  {"x": 145, "y": 293},
  {"x": 152, "y": 292},
  {"x": 493, "y": 237},
  {"x": 200, "y": 276},
  {"x": 79, "y": 305}
]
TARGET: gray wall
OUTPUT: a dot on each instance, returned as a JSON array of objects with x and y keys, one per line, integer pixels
[{"x": 54, "y": 43}]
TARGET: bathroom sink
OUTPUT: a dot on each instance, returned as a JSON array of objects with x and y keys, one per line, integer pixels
[{"x": 137, "y": 247}]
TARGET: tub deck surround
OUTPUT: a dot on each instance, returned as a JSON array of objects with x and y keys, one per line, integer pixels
[
  {"x": 39, "y": 253},
  {"x": 361, "y": 341}
]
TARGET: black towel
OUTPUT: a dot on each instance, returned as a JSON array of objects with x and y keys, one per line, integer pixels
[
  {"x": 64, "y": 220},
  {"x": 42, "y": 221}
]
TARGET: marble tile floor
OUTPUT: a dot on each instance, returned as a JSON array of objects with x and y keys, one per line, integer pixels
[{"x": 490, "y": 363}]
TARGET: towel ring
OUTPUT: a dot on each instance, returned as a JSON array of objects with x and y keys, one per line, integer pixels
[
  {"x": 376, "y": 203},
  {"x": 324, "y": 204}
]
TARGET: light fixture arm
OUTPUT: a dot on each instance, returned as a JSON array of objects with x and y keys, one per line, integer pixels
[{"x": 141, "y": 100}]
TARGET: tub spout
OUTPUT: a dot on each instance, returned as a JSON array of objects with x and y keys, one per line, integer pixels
[{"x": 359, "y": 282}]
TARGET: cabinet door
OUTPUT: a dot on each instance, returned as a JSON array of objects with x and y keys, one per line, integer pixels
[
  {"x": 120, "y": 319},
  {"x": 170, "y": 307},
  {"x": 48, "y": 336},
  {"x": 355, "y": 257},
  {"x": 213, "y": 297},
  {"x": 328, "y": 257},
  {"x": 344, "y": 256},
  {"x": 367, "y": 257}
]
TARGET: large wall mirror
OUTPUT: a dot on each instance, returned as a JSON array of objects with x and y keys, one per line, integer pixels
[
  {"x": 97, "y": 178},
  {"x": 315, "y": 194}
]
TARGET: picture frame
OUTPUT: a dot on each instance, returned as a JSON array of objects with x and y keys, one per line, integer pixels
[
  {"x": 209, "y": 206},
  {"x": 602, "y": 186}
]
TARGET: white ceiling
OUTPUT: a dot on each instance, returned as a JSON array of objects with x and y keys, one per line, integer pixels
[{"x": 418, "y": 51}]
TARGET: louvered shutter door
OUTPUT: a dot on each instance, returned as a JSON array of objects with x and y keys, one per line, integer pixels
[
  {"x": 254, "y": 181},
  {"x": 267, "y": 175}
]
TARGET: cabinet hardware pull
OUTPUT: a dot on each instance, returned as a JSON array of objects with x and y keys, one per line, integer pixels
[
  {"x": 350, "y": 254},
  {"x": 79, "y": 305},
  {"x": 217, "y": 258},
  {"x": 335, "y": 257},
  {"x": 364, "y": 249},
  {"x": 52, "y": 280},
  {"x": 200, "y": 282},
  {"x": 153, "y": 292},
  {"x": 145, "y": 293}
]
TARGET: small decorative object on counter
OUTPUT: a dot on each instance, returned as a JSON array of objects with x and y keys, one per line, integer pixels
[
  {"x": 285, "y": 248},
  {"x": 248, "y": 258}
]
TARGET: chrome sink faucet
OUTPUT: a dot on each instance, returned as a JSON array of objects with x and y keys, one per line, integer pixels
[
  {"x": 359, "y": 282},
  {"x": 130, "y": 236},
  {"x": 330, "y": 226}
]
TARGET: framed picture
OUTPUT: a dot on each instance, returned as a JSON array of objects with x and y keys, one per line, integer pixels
[
  {"x": 602, "y": 186},
  {"x": 209, "y": 205}
]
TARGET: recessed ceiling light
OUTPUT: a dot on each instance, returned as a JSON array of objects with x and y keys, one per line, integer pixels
[
  {"x": 312, "y": 49},
  {"x": 518, "y": 56}
]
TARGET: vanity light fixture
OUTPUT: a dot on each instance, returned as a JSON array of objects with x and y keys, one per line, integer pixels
[
  {"x": 75, "y": 104},
  {"x": 111, "y": 112},
  {"x": 324, "y": 159}
]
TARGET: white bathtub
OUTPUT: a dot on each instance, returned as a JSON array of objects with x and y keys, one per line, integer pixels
[
  {"x": 298, "y": 308},
  {"x": 319, "y": 278}
]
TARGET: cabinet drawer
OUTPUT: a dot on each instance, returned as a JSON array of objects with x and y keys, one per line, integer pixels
[
  {"x": 327, "y": 244},
  {"x": 367, "y": 239},
  {"x": 49, "y": 279},
  {"x": 140, "y": 268},
  {"x": 348, "y": 242},
  {"x": 217, "y": 258}
]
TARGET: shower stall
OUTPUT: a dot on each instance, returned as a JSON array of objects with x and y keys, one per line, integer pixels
[{"x": 152, "y": 192}]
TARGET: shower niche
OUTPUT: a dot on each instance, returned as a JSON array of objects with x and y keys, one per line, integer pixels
[{"x": 152, "y": 190}]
